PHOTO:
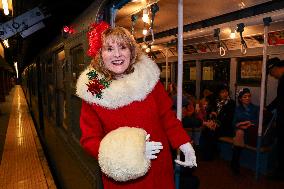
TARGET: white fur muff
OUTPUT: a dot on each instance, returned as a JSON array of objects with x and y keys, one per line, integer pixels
[{"x": 122, "y": 154}]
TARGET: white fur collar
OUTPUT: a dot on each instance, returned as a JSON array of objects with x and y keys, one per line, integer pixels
[{"x": 121, "y": 92}]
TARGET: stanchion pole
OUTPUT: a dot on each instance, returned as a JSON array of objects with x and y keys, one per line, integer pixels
[
  {"x": 179, "y": 83},
  {"x": 266, "y": 22}
]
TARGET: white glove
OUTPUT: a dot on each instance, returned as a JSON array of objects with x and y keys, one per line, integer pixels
[
  {"x": 152, "y": 148},
  {"x": 189, "y": 156}
]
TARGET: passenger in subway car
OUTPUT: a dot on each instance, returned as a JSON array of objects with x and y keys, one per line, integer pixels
[
  {"x": 125, "y": 109},
  {"x": 208, "y": 140},
  {"x": 225, "y": 108},
  {"x": 245, "y": 117},
  {"x": 189, "y": 119},
  {"x": 275, "y": 67}
]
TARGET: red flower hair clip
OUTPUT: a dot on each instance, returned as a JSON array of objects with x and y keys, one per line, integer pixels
[{"x": 95, "y": 37}]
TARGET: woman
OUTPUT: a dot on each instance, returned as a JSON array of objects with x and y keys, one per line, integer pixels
[
  {"x": 189, "y": 119},
  {"x": 225, "y": 108},
  {"x": 246, "y": 116},
  {"x": 125, "y": 90},
  {"x": 207, "y": 142}
]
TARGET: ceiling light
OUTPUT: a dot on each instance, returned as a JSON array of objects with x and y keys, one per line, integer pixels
[
  {"x": 145, "y": 31},
  {"x": 144, "y": 46},
  {"x": 233, "y": 34},
  {"x": 145, "y": 16},
  {"x": 148, "y": 50},
  {"x": 242, "y": 5}
]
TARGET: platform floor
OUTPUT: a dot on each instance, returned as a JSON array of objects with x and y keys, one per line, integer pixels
[{"x": 23, "y": 164}]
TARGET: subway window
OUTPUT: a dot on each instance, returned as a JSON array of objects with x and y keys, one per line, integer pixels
[
  {"x": 189, "y": 77},
  {"x": 77, "y": 66},
  {"x": 214, "y": 73}
]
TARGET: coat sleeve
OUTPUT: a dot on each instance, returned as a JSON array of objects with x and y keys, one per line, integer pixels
[
  {"x": 92, "y": 132},
  {"x": 172, "y": 126}
]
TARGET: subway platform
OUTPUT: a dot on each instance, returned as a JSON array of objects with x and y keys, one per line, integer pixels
[{"x": 23, "y": 164}]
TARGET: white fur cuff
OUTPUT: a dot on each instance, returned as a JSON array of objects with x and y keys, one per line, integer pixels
[{"x": 122, "y": 154}]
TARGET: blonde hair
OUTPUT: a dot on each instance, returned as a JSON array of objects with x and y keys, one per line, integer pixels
[{"x": 120, "y": 35}]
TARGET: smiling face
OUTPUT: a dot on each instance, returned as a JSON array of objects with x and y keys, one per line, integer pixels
[{"x": 116, "y": 56}]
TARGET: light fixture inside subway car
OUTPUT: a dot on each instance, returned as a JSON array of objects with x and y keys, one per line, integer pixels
[
  {"x": 144, "y": 31},
  {"x": 145, "y": 16},
  {"x": 233, "y": 33}
]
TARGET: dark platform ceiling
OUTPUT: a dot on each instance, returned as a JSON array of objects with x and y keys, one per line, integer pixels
[{"x": 62, "y": 12}]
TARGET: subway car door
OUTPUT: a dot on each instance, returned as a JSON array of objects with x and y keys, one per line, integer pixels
[
  {"x": 51, "y": 75},
  {"x": 60, "y": 93}
]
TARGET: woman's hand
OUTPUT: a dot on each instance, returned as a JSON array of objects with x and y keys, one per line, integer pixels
[
  {"x": 152, "y": 148},
  {"x": 210, "y": 124},
  {"x": 244, "y": 124},
  {"x": 189, "y": 156}
]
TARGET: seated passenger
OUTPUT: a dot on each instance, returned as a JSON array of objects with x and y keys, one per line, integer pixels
[
  {"x": 208, "y": 140},
  {"x": 245, "y": 117},
  {"x": 225, "y": 108},
  {"x": 188, "y": 119},
  {"x": 211, "y": 99},
  {"x": 204, "y": 113}
]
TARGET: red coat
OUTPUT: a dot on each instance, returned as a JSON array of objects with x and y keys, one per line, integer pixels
[{"x": 155, "y": 116}]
